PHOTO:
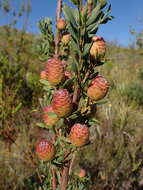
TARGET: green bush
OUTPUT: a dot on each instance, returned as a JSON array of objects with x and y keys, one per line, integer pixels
[{"x": 134, "y": 92}]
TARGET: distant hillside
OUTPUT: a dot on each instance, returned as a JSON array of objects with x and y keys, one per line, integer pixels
[{"x": 19, "y": 47}]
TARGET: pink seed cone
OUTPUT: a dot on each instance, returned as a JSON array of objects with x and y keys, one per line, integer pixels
[
  {"x": 61, "y": 24},
  {"x": 82, "y": 173},
  {"x": 43, "y": 75},
  {"x": 47, "y": 118},
  {"x": 68, "y": 74},
  {"x": 98, "y": 88},
  {"x": 79, "y": 134},
  {"x": 62, "y": 103},
  {"x": 55, "y": 71},
  {"x": 45, "y": 150}
]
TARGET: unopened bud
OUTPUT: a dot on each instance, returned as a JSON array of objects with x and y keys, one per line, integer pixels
[
  {"x": 89, "y": 1},
  {"x": 98, "y": 88},
  {"x": 61, "y": 24}
]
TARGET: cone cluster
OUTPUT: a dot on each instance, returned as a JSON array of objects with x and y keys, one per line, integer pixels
[{"x": 61, "y": 103}]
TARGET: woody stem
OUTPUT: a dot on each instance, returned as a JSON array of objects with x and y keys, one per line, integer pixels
[{"x": 57, "y": 38}]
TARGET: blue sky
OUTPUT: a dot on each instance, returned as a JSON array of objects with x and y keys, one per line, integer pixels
[{"x": 127, "y": 13}]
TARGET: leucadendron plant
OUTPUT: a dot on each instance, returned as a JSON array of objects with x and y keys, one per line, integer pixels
[{"x": 72, "y": 87}]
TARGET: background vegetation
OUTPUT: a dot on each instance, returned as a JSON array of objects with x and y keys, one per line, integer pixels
[{"x": 115, "y": 159}]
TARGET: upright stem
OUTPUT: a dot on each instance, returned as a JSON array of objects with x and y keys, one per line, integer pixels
[
  {"x": 72, "y": 163},
  {"x": 54, "y": 181},
  {"x": 65, "y": 175},
  {"x": 75, "y": 95},
  {"x": 58, "y": 15},
  {"x": 59, "y": 8},
  {"x": 90, "y": 7}
]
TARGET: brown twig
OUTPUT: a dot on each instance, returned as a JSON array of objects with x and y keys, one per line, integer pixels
[
  {"x": 72, "y": 163},
  {"x": 54, "y": 180},
  {"x": 90, "y": 7},
  {"x": 58, "y": 15},
  {"x": 65, "y": 171},
  {"x": 59, "y": 9},
  {"x": 75, "y": 95},
  {"x": 39, "y": 176},
  {"x": 65, "y": 175}
]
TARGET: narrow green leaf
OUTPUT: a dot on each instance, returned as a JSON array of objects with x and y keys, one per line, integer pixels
[
  {"x": 17, "y": 108},
  {"x": 65, "y": 139},
  {"x": 94, "y": 14},
  {"x": 42, "y": 125},
  {"x": 61, "y": 122},
  {"x": 75, "y": 14},
  {"x": 75, "y": 46},
  {"x": 70, "y": 16},
  {"x": 67, "y": 83},
  {"x": 100, "y": 102},
  {"x": 92, "y": 27},
  {"x": 75, "y": 2},
  {"x": 70, "y": 146},
  {"x": 107, "y": 19},
  {"x": 68, "y": 13},
  {"x": 46, "y": 88},
  {"x": 109, "y": 8},
  {"x": 93, "y": 122},
  {"x": 94, "y": 74},
  {"x": 103, "y": 3},
  {"x": 86, "y": 49},
  {"x": 107, "y": 12},
  {"x": 95, "y": 3},
  {"x": 74, "y": 116},
  {"x": 51, "y": 114},
  {"x": 106, "y": 16},
  {"x": 45, "y": 82},
  {"x": 74, "y": 66},
  {"x": 73, "y": 32}
]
